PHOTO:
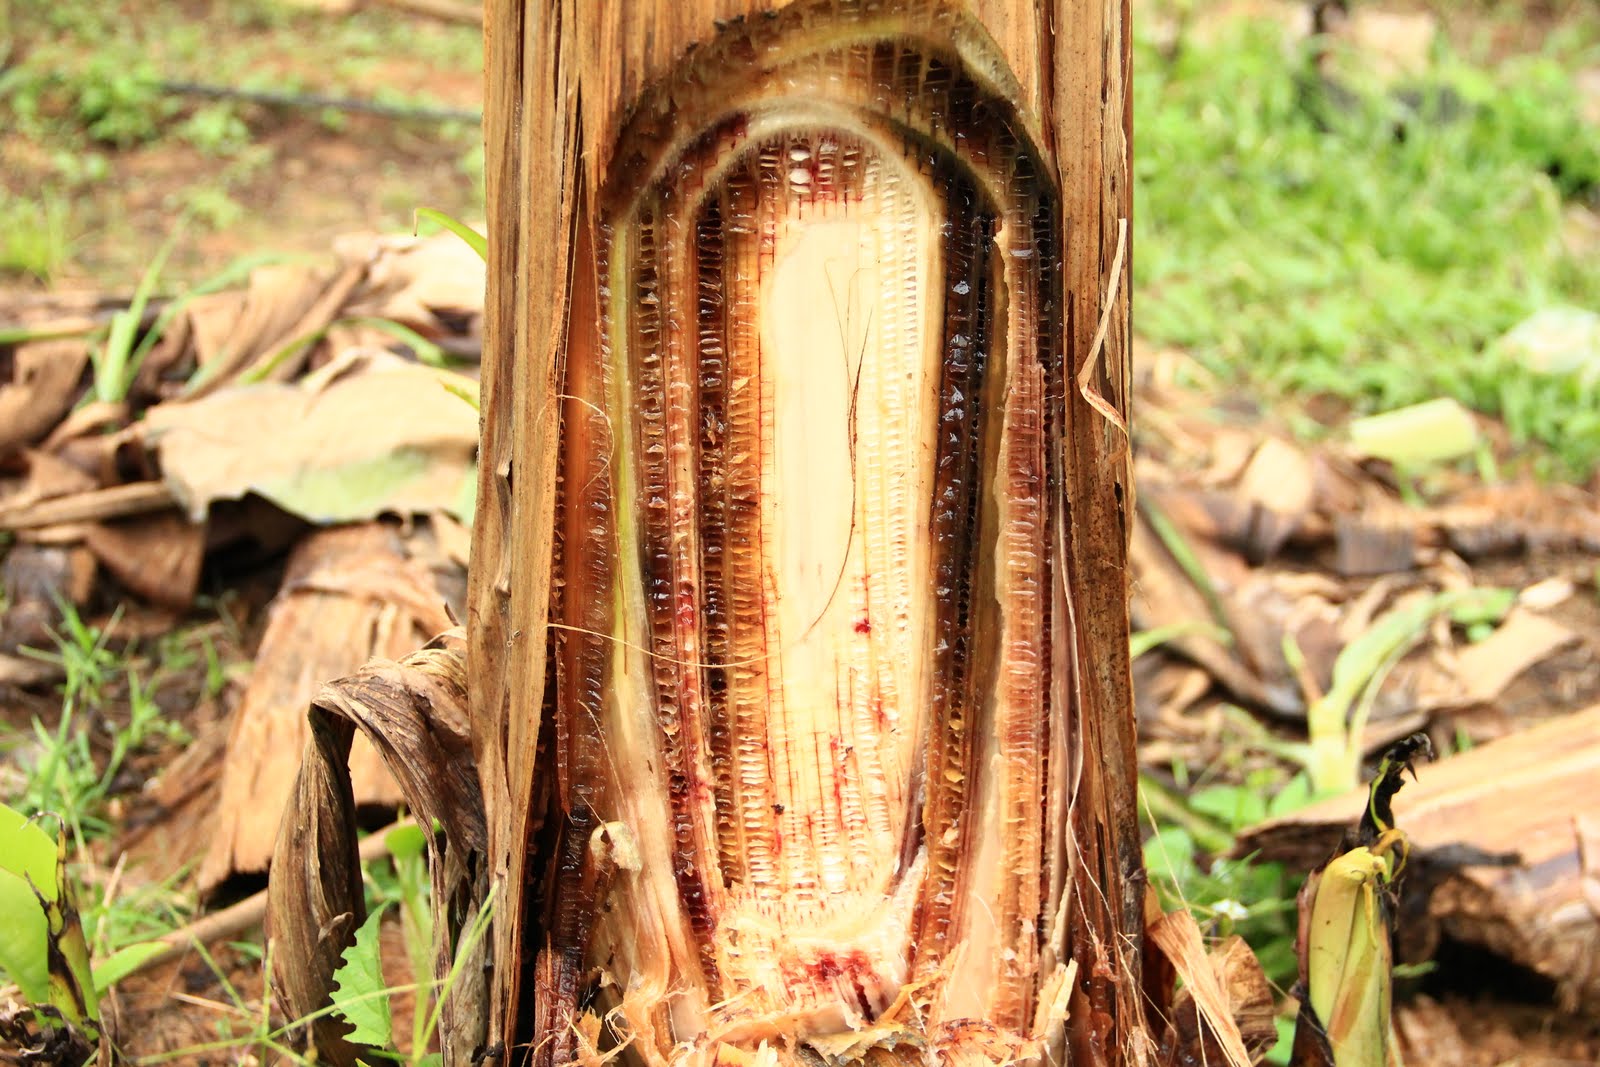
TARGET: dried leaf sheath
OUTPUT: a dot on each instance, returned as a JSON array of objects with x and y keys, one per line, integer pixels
[
  {"x": 804, "y": 633},
  {"x": 414, "y": 713}
]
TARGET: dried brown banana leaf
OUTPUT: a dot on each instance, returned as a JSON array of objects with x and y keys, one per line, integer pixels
[{"x": 414, "y": 713}]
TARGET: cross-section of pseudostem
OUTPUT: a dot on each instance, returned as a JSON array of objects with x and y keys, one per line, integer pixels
[{"x": 809, "y": 725}]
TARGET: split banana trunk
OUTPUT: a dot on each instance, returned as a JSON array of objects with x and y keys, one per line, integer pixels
[
  {"x": 802, "y": 664},
  {"x": 798, "y": 446}
]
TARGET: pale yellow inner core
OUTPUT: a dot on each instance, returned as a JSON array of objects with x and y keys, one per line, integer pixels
[{"x": 848, "y": 384}]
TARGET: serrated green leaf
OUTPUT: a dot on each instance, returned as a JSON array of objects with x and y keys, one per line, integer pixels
[{"x": 359, "y": 994}]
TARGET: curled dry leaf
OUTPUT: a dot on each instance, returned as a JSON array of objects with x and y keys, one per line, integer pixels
[
  {"x": 44, "y": 382},
  {"x": 155, "y": 556},
  {"x": 415, "y": 280},
  {"x": 414, "y": 713},
  {"x": 47, "y": 476},
  {"x": 231, "y": 330},
  {"x": 1279, "y": 483},
  {"x": 135, "y": 498},
  {"x": 1223, "y": 1013},
  {"x": 1183, "y": 576},
  {"x": 1523, "y": 639}
]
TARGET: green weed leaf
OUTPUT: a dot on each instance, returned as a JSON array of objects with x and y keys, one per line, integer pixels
[
  {"x": 406, "y": 841},
  {"x": 464, "y": 389},
  {"x": 42, "y": 947},
  {"x": 1295, "y": 794},
  {"x": 359, "y": 993},
  {"x": 117, "y": 363},
  {"x": 1235, "y": 806},
  {"x": 123, "y": 962},
  {"x": 426, "y": 351}
]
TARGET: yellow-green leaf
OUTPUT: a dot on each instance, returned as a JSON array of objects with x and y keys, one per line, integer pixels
[
  {"x": 71, "y": 980},
  {"x": 27, "y": 873},
  {"x": 1349, "y": 961},
  {"x": 478, "y": 242}
]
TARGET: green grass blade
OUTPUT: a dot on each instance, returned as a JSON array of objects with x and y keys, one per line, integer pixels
[{"x": 477, "y": 241}]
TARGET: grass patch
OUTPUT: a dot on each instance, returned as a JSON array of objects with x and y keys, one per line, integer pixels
[
  {"x": 34, "y": 235},
  {"x": 75, "y": 768},
  {"x": 109, "y": 70},
  {"x": 1368, "y": 250}
]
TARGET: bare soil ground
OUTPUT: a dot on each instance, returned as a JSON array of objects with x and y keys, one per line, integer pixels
[{"x": 255, "y": 177}]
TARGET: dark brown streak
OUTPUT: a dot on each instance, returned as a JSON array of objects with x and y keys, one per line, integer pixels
[
  {"x": 967, "y": 232},
  {"x": 712, "y": 504}
]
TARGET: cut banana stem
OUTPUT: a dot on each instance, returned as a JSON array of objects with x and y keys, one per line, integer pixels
[{"x": 804, "y": 624}]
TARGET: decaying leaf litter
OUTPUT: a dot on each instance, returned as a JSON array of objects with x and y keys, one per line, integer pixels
[
  {"x": 231, "y": 447},
  {"x": 1262, "y": 565},
  {"x": 1296, "y": 580}
]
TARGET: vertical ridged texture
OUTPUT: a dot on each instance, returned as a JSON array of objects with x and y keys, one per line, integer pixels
[
  {"x": 839, "y": 671},
  {"x": 808, "y": 785},
  {"x": 748, "y": 685},
  {"x": 663, "y": 305},
  {"x": 712, "y": 495},
  {"x": 954, "y": 535}
]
